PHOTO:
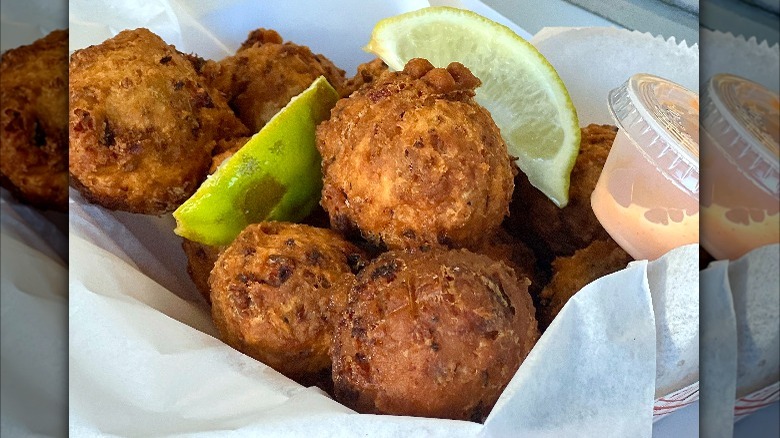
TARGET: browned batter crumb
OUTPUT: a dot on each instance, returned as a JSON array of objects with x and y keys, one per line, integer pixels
[{"x": 572, "y": 273}]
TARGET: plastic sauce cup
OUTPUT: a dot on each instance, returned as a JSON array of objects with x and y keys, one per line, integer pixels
[
  {"x": 647, "y": 197},
  {"x": 740, "y": 202}
]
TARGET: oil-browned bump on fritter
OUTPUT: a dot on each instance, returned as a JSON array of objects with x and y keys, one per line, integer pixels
[
  {"x": 572, "y": 273},
  {"x": 272, "y": 294},
  {"x": 501, "y": 246},
  {"x": 434, "y": 334},
  {"x": 224, "y": 150},
  {"x": 200, "y": 261},
  {"x": 34, "y": 121},
  {"x": 265, "y": 73},
  {"x": 142, "y": 124},
  {"x": 412, "y": 161},
  {"x": 561, "y": 231},
  {"x": 367, "y": 73}
]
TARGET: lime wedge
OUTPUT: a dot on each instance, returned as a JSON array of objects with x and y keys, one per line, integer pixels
[
  {"x": 274, "y": 176},
  {"x": 522, "y": 91}
]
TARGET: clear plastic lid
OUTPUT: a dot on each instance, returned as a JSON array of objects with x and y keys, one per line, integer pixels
[
  {"x": 662, "y": 119},
  {"x": 743, "y": 118}
]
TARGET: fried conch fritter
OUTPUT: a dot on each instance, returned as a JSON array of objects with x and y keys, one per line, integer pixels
[
  {"x": 34, "y": 121},
  {"x": 272, "y": 290},
  {"x": 572, "y": 273},
  {"x": 265, "y": 73},
  {"x": 142, "y": 123},
  {"x": 432, "y": 334},
  {"x": 410, "y": 160},
  {"x": 561, "y": 231},
  {"x": 367, "y": 73}
]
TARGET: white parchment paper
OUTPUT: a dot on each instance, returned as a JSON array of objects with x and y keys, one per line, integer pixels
[
  {"x": 748, "y": 58},
  {"x": 604, "y": 58},
  {"x": 143, "y": 357},
  {"x": 33, "y": 302},
  {"x": 719, "y": 352},
  {"x": 753, "y": 280}
]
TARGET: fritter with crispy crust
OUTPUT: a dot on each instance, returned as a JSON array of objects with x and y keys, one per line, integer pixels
[
  {"x": 265, "y": 73},
  {"x": 200, "y": 261},
  {"x": 502, "y": 247},
  {"x": 271, "y": 292},
  {"x": 412, "y": 161},
  {"x": 367, "y": 73},
  {"x": 434, "y": 334},
  {"x": 34, "y": 120},
  {"x": 572, "y": 273},
  {"x": 554, "y": 231},
  {"x": 142, "y": 124}
]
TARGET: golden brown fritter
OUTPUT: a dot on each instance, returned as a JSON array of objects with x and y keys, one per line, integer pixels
[
  {"x": 411, "y": 160},
  {"x": 34, "y": 121},
  {"x": 271, "y": 291},
  {"x": 225, "y": 149},
  {"x": 502, "y": 247},
  {"x": 561, "y": 231},
  {"x": 572, "y": 273},
  {"x": 142, "y": 125},
  {"x": 366, "y": 73},
  {"x": 262, "y": 77},
  {"x": 434, "y": 334},
  {"x": 201, "y": 257},
  {"x": 200, "y": 261}
]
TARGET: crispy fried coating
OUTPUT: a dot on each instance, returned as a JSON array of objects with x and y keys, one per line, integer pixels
[
  {"x": 572, "y": 273},
  {"x": 200, "y": 261},
  {"x": 367, "y": 73},
  {"x": 142, "y": 124},
  {"x": 435, "y": 334},
  {"x": 561, "y": 231},
  {"x": 271, "y": 292},
  {"x": 412, "y": 161},
  {"x": 502, "y": 247},
  {"x": 262, "y": 77},
  {"x": 201, "y": 258},
  {"x": 34, "y": 120},
  {"x": 225, "y": 149}
]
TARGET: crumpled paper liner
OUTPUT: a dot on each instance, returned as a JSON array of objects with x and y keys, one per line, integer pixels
[
  {"x": 33, "y": 299},
  {"x": 741, "y": 357},
  {"x": 144, "y": 361},
  {"x": 753, "y": 281},
  {"x": 726, "y": 53},
  {"x": 605, "y": 57}
]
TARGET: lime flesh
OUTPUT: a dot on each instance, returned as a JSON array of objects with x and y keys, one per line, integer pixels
[
  {"x": 274, "y": 176},
  {"x": 522, "y": 91}
]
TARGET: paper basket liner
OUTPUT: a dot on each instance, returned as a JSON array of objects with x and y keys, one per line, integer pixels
[
  {"x": 757, "y": 400},
  {"x": 674, "y": 401}
]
